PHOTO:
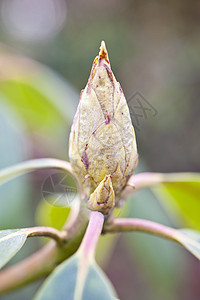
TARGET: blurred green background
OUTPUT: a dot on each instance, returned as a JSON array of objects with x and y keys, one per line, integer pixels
[{"x": 46, "y": 51}]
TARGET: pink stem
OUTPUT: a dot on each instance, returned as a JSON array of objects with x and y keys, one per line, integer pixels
[
  {"x": 128, "y": 224},
  {"x": 149, "y": 179},
  {"x": 92, "y": 234},
  {"x": 59, "y": 236},
  {"x": 87, "y": 249}
]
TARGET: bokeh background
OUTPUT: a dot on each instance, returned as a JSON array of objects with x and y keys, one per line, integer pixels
[{"x": 46, "y": 51}]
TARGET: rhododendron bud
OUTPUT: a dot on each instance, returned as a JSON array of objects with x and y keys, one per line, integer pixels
[
  {"x": 103, "y": 147},
  {"x": 103, "y": 198}
]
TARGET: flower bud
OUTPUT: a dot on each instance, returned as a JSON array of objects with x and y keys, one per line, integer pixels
[
  {"x": 103, "y": 198},
  {"x": 102, "y": 138}
]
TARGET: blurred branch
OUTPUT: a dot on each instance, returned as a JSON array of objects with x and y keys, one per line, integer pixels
[
  {"x": 59, "y": 236},
  {"x": 46, "y": 259},
  {"x": 129, "y": 224},
  {"x": 35, "y": 164},
  {"x": 188, "y": 238},
  {"x": 146, "y": 180}
]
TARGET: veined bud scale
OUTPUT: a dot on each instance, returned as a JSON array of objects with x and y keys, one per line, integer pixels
[{"x": 103, "y": 151}]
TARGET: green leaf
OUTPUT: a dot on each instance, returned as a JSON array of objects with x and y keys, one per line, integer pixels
[
  {"x": 33, "y": 107},
  {"x": 42, "y": 98},
  {"x": 61, "y": 284},
  {"x": 182, "y": 198},
  {"x": 162, "y": 262},
  {"x": 13, "y": 148},
  {"x": 190, "y": 239},
  {"x": 11, "y": 242},
  {"x": 179, "y": 191},
  {"x": 53, "y": 216}
]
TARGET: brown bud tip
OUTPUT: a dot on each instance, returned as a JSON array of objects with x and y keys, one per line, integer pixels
[{"x": 103, "y": 54}]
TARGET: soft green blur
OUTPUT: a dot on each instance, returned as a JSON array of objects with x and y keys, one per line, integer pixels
[{"x": 154, "y": 51}]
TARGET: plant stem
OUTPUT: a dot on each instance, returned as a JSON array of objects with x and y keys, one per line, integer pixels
[
  {"x": 46, "y": 259},
  {"x": 59, "y": 236},
  {"x": 87, "y": 249},
  {"x": 93, "y": 232},
  {"x": 30, "y": 269},
  {"x": 128, "y": 224},
  {"x": 150, "y": 179},
  {"x": 35, "y": 164}
]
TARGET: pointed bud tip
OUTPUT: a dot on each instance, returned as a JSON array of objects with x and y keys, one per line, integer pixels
[{"x": 103, "y": 53}]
